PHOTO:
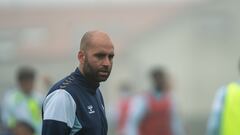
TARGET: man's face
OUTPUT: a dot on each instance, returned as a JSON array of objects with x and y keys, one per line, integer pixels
[
  {"x": 162, "y": 83},
  {"x": 27, "y": 85},
  {"x": 98, "y": 60}
]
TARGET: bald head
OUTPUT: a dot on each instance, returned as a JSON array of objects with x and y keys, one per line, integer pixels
[{"x": 92, "y": 37}]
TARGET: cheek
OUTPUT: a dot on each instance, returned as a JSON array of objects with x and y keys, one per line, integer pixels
[{"x": 93, "y": 64}]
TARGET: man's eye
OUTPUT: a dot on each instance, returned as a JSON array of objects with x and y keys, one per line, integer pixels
[
  {"x": 110, "y": 57},
  {"x": 100, "y": 55}
]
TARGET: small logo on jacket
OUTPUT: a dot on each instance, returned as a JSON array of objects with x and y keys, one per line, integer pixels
[{"x": 90, "y": 108}]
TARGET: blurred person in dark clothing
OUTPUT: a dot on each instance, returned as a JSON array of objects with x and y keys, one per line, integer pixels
[
  {"x": 74, "y": 105},
  {"x": 22, "y": 103},
  {"x": 154, "y": 113},
  {"x": 225, "y": 116}
]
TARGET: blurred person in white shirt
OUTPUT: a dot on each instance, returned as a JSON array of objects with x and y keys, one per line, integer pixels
[{"x": 22, "y": 103}]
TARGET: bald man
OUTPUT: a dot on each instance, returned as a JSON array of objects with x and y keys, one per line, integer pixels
[{"x": 74, "y": 105}]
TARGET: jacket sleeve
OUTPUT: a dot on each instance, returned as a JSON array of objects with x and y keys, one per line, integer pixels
[
  {"x": 52, "y": 127},
  {"x": 58, "y": 113}
]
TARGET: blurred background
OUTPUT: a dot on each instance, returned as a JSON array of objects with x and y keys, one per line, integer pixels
[{"x": 196, "y": 40}]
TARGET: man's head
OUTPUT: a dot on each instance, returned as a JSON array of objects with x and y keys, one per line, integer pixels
[
  {"x": 25, "y": 79},
  {"x": 96, "y": 56},
  {"x": 160, "y": 79}
]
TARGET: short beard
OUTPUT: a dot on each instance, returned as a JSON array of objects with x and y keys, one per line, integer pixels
[{"x": 89, "y": 72}]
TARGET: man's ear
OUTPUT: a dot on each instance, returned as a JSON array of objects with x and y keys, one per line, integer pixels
[{"x": 81, "y": 57}]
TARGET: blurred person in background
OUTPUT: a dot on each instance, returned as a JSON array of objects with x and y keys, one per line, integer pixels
[
  {"x": 117, "y": 112},
  {"x": 22, "y": 103},
  {"x": 154, "y": 113},
  {"x": 123, "y": 106},
  {"x": 4, "y": 131},
  {"x": 74, "y": 105},
  {"x": 225, "y": 116},
  {"x": 23, "y": 128}
]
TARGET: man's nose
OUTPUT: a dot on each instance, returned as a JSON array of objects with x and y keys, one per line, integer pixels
[{"x": 106, "y": 61}]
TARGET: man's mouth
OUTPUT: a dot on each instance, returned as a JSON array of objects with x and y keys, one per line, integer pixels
[{"x": 103, "y": 73}]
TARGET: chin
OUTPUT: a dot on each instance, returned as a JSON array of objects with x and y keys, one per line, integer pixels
[{"x": 102, "y": 79}]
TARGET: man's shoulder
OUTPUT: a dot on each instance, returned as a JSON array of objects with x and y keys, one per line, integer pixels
[
  {"x": 10, "y": 96},
  {"x": 61, "y": 91},
  {"x": 10, "y": 92},
  {"x": 66, "y": 83}
]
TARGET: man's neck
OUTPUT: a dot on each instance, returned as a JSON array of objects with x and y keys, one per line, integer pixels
[{"x": 87, "y": 78}]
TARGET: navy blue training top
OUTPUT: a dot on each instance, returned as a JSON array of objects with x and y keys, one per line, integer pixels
[{"x": 74, "y": 106}]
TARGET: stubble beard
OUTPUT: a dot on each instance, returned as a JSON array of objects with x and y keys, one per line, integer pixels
[{"x": 92, "y": 74}]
